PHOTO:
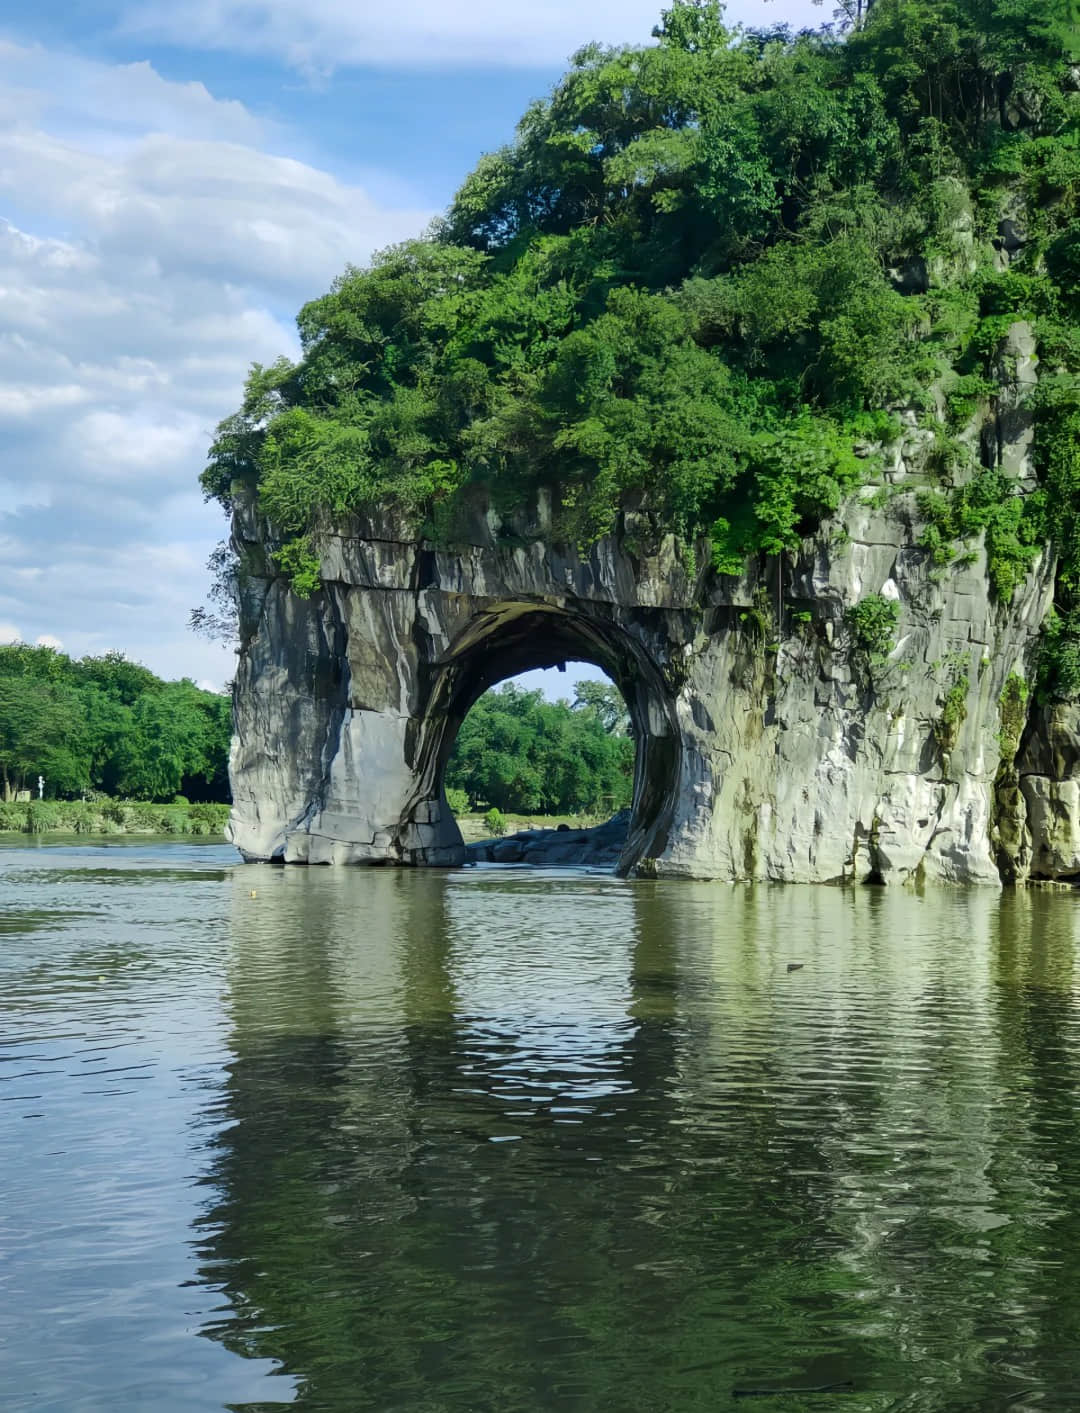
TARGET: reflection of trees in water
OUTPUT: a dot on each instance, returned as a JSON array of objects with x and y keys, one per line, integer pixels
[
  {"x": 506, "y": 1144},
  {"x": 370, "y": 1230},
  {"x": 1037, "y": 1159},
  {"x": 878, "y": 1102}
]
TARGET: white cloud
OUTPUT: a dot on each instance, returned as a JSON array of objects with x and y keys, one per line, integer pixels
[
  {"x": 174, "y": 206},
  {"x": 102, "y": 105},
  {"x": 125, "y": 340},
  {"x": 325, "y": 34},
  {"x": 46, "y": 640},
  {"x": 9, "y": 633},
  {"x": 28, "y": 399}
]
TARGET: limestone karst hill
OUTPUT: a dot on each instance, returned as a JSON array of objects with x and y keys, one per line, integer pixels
[{"x": 749, "y": 372}]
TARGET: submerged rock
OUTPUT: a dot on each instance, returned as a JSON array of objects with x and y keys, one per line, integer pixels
[{"x": 598, "y": 847}]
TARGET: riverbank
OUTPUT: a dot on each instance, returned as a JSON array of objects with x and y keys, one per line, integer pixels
[{"x": 111, "y": 817}]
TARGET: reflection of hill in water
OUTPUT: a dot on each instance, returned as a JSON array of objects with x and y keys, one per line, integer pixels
[{"x": 524, "y": 1142}]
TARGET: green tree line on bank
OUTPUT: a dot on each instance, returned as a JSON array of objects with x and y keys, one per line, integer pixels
[
  {"x": 108, "y": 725},
  {"x": 524, "y": 755}
]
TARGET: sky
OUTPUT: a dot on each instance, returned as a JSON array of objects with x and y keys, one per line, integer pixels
[{"x": 176, "y": 180}]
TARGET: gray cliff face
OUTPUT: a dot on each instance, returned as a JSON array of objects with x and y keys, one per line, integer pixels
[{"x": 768, "y": 746}]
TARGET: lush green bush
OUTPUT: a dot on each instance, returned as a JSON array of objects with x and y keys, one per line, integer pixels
[
  {"x": 1058, "y": 677},
  {"x": 991, "y": 504},
  {"x": 111, "y": 817},
  {"x": 458, "y": 800},
  {"x": 495, "y": 822},
  {"x": 208, "y": 818},
  {"x": 873, "y": 622}
]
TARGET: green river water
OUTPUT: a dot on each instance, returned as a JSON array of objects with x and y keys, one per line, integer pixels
[{"x": 509, "y": 1140}]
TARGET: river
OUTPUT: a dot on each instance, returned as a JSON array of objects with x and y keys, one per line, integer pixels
[{"x": 505, "y": 1140}]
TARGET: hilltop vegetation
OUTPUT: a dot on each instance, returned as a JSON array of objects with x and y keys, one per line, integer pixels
[
  {"x": 110, "y": 726},
  {"x": 704, "y": 280}
]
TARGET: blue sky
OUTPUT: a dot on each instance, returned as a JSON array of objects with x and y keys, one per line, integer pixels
[{"x": 175, "y": 181}]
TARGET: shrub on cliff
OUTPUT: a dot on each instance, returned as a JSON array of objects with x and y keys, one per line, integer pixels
[{"x": 873, "y": 623}]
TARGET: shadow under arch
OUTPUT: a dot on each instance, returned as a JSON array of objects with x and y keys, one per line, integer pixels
[{"x": 517, "y": 636}]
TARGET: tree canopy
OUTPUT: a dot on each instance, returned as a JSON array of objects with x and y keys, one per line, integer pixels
[
  {"x": 704, "y": 279},
  {"x": 523, "y": 754},
  {"x": 108, "y": 724}
]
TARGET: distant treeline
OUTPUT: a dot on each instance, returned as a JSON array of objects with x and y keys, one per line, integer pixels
[
  {"x": 109, "y": 726},
  {"x": 522, "y": 754}
]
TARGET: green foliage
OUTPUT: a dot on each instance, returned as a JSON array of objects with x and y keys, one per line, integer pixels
[
  {"x": 991, "y": 504},
  {"x": 1012, "y": 706},
  {"x": 110, "y": 725},
  {"x": 495, "y": 822},
  {"x": 953, "y": 715},
  {"x": 796, "y": 471},
  {"x": 458, "y": 800},
  {"x": 1058, "y": 677},
  {"x": 602, "y": 701},
  {"x": 301, "y": 565},
  {"x": 525, "y": 755},
  {"x": 111, "y": 817},
  {"x": 873, "y": 622},
  {"x": 684, "y": 285}
]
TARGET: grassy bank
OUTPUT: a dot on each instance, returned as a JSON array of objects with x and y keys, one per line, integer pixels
[
  {"x": 111, "y": 817},
  {"x": 137, "y": 817}
]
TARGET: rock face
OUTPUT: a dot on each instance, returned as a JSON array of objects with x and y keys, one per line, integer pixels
[{"x": 769, "y": 746}]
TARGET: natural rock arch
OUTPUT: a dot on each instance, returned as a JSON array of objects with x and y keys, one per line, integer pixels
[
  {"x": 767, "y": 748},
  {"x": 348, "y": 704},
  {"x": 516, "y": 636}
]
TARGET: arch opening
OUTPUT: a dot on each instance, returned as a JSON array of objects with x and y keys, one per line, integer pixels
[
  {"x": 546, "y": 750},
  {"x": 516, "y": 637}
]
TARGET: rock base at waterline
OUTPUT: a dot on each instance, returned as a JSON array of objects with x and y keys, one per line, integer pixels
[{"x": 599, "y": 847}]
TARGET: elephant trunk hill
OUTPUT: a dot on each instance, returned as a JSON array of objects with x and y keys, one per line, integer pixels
[
  {"x": 773, "y": 750},
  {"x": 749, "y": 372}
]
